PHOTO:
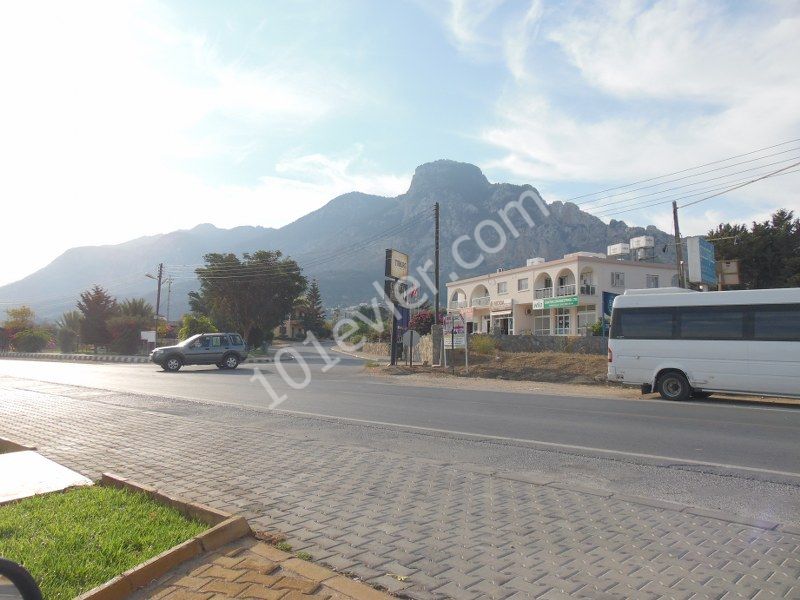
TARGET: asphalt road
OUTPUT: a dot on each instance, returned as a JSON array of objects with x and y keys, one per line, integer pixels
[{"x": 751, "y": 439}]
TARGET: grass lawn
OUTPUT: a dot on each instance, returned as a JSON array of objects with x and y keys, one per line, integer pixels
[{"x": 75, "y": 540}]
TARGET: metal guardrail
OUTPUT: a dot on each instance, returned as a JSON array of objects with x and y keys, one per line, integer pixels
[{"x": 481, "y": 301}]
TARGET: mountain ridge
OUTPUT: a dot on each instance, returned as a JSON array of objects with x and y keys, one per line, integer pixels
[{"x": 340, "y": 244}]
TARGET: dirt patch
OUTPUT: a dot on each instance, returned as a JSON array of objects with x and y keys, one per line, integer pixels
[{"x": 552, "y": 367}]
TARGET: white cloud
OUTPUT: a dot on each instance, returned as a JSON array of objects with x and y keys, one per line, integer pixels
[
  {"x": 106, "y": 105},
  {"x": 660, "y": 87},
  {"x": 465, "y": 18}
]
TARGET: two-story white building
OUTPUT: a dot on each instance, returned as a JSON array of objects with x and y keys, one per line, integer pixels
[{"x": 557, "y": 297}]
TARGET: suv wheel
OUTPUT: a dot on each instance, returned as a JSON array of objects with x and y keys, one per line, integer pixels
[
  {"x": 172, "y": 364},
  {"x": 231, "y": 361},
  {"x": 674, "y": 386}
]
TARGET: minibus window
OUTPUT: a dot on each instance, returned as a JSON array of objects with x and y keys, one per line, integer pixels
[
  {"x": 776, "y": 323},
  {"x": 643, "y": 324},
  {"x": 711, "y": 323}
]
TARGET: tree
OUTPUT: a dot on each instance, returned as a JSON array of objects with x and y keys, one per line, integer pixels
[
  {"x": 68, "y": 330},
  {"x": 18, "y": 319},
  {"x": 769, "y": 252},
  {"x": 126, "y": 333},
  {"x": 137, "y": 307},
  {"x": 192, "y": 325},
  {"x": 422, "y": 321},
  {"x": 314, "y": 313},
  {"x": 97, "y": 307},
  {"x": 30, "y": 340},
  {"x": 252, "y": 295}
]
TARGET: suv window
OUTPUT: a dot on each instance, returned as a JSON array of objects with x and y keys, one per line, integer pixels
[
  {"x": 216, "y": 341},
  {"x": 236, "y": 340}
]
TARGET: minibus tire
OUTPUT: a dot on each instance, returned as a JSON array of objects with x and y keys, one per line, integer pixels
[{"x": 673, "y": 385}]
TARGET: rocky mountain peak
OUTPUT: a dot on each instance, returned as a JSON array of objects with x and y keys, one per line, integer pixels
[{"x": 447, "y": 177}]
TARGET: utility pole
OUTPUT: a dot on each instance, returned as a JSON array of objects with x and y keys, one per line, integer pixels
[
  {"x": 436, "y": 331},
  {"x": 436, "y": 260},
  {"x": 678, "y": 246},
  {"x": 158, "y": 295}
]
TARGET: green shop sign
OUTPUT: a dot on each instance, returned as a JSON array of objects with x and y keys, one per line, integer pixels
[{"x": 561, "y": 302}]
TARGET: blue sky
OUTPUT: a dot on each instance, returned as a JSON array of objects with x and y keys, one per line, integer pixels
[{"x": 177, "y": 113}]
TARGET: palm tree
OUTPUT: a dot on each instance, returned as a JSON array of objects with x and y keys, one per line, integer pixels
[
  {"x": 68, "y": 330},
  {"x": 137, "y": 307}
]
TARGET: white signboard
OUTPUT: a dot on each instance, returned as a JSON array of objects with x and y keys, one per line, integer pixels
[
  {"x": 500, "y": 305},
  {"x": 455, "y": 340},
  {"x": 396, "y": 264},
  {"x": 148, "y": 336}
]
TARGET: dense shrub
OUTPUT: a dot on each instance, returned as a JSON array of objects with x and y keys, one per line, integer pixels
[
  {"x": 30, "y": 340},
  {"x": 193, "y": 325},
  {"x": 126, "y": 333},
  {"x": 482, "y": 344},
  {"x": 67, "y": 340}
]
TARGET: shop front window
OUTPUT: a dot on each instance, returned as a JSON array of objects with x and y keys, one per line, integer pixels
[
  {"x": 587, "y": 316},
  {"x": 541, "y": 322},
  {"x": 563, "y": 321}
]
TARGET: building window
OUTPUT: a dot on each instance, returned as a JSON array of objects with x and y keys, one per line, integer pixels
[
  {"x": 502, "y": 287},
  {"x": 587, "y": 316},
  {"x": 541, "y": 322},
  {"x": 652, "y": 281},
  {"x": 618, "y": 280},
  {"x": 522, "y": 285},
  {"x": 563, "y": 321}
]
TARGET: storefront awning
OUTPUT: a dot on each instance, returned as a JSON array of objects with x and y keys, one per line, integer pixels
[{"x": 501, "y": 313}]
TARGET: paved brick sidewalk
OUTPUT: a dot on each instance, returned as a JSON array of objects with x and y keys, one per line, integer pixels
[
  {"x": 450, "y": 531},
  {"x": 248, "y": 569}
]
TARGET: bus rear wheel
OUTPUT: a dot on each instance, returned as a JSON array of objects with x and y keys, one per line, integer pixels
[{"x": 673, "y": 385}]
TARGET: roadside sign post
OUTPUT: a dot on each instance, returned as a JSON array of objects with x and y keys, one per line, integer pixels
[
  {"x": 410, "y": 341},
  {"x": 454, "y": 327},
  {"x": 396, "y": 267}
]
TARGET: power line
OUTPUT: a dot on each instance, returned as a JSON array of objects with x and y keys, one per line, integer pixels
[
  {"x": 697, "y": 174},
  {"x": 664, "y": 199},
  {"x": 768, "y": 175},
  {"x": 778, "y": 173},
  {"x": 245, "y": 272},
  {"x": 623, "y": 201},
  {"x": 232, "y": 270},
  {"x": 620, "y": 187}
]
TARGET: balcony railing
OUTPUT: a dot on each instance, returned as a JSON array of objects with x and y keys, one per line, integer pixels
[
  {"x": 543, "y": 293},
  {"x": 458, "y": 304},
  {"x": 481, "y": 301},
  {"x": 588, "y": 289},
  {"x": 566, "y": 290}
]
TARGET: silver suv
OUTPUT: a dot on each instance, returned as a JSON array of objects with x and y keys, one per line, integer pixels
[{"x": 226, "y": 350}]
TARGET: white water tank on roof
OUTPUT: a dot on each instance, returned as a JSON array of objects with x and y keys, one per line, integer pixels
[
  {"x": 643, "y": 241},
  {"x": 537, "y": 260},
  {"x": 618, "y": 249}
]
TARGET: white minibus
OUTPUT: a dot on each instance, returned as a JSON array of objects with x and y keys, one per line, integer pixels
[{"x": 681, "y": 343}]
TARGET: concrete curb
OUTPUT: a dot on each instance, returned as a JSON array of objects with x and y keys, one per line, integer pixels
[
  {"x": 54, "y": 356},
  {"x": 7, "y": 445},
  {"x": 225, "y": 528}
]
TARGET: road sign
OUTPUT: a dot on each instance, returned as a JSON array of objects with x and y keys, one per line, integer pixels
[
  {"x": 700, "y": 260},
  {"x": 396, "y": 264},
  {"x": 454, "y": 324},
  {"x": 608, "y": 303},
  {"x": 455, "y": 340}
]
